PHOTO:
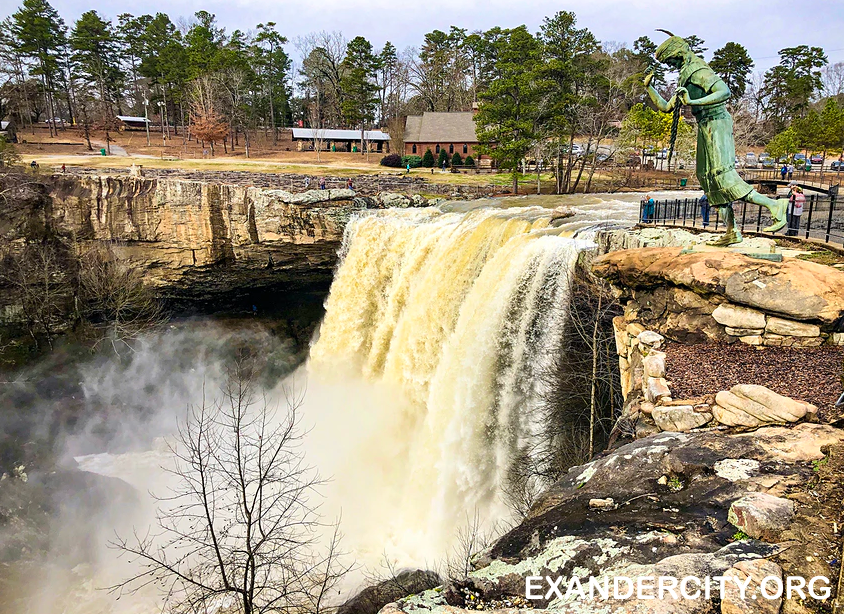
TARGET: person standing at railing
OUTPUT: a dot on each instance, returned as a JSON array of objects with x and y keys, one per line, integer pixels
[
  {"x": 790, "y": 171},
  {"x": 784, "y": 171},
  {"x": 795, "y": 209},
  {"x": 704, "y": 210},
  {"x": 648, "y": 209}
]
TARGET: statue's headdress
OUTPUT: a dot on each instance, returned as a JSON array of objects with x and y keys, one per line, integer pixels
[{"x": 673, "y": 46}]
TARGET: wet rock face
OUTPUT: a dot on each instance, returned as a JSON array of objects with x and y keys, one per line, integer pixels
[
  {"x": 197, "y": 239},
  {"x": 666, "y": 505},
  {"x": 372, "y": 598}
]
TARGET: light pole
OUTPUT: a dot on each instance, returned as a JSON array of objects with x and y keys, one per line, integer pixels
[
  {"x": 146, "y": 118},
  {"x": 161, "y": 115}
]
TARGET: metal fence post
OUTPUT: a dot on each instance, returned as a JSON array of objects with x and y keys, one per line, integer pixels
[
  {"x": 809, "y": 221},
  {"x": 829, "y": 220}
]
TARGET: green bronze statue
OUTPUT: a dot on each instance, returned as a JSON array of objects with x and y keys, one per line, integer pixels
[{"x": 706, "y": 93}]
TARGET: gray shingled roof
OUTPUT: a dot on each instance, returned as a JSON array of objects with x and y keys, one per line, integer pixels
[
  {"x": 340, "y": 135},
  {"x": 431, "y": 127}
]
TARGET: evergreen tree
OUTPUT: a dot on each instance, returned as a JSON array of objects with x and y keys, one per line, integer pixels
[
  {"x": 469, "y": 161},
  {"x": 568, "y": 76},
  {"x": 203, "y": 42},
  {"x": 644, "y": 49},
  {"x": 96, "y": 58},
  {"x": 358, "y": 84},
  {"x": 785, "y": 144},
  {"x": 442, "y": 159},
  {"x": 696, "y": 44},
  {"x": 733, "y": 64},
  {"x": 273, "y": 66},
  {"x": 42, "y": 36},
  {"x": 456, "y": 160},
  {"x": 790, "y": 86},
  {"x": 428, "y": 159},
  {"x": 507, "y": 119}
]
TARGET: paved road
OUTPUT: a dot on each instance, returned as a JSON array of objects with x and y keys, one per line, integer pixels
[{"x": 116, "y": 150}]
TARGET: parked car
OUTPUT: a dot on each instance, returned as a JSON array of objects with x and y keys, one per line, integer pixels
[
  {"x": 799, "y": 160},
  {"x": 766, "y": 161},
  {"x": 837, "y": 165},
  {"x": 816, "y": 159},
  {"x": 750, "y": 160},
  {"x": 662, "y": 154}
]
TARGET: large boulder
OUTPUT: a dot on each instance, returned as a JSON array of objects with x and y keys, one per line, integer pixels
[
  {"x": 761, "y": 516},
  {"x": 752, "y": 405},
  {"x": 750, "y": 574},
  {"x": 679, "y": 418},
  {"x": 372, "y": 598},
  {"x": 781, "y": 326},
  {"x": 796, "y": 289},
  {"x": 739, "y": 317}
]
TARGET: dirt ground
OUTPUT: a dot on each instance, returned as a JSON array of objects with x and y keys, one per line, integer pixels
[
  {"x": 129, "y": 147},
  {"x": 808, "y": 374}
]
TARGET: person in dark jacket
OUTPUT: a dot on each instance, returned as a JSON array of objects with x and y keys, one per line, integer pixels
[{"x": 704, "y": 210}]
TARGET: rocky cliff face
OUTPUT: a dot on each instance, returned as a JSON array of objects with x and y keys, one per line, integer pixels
[{"x": 197, "y": 239}]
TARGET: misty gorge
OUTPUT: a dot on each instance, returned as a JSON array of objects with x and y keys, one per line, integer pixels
[{"x": 437, "y": 382}]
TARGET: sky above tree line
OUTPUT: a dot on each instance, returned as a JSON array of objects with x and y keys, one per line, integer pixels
[{"x": 763, "y": 26}]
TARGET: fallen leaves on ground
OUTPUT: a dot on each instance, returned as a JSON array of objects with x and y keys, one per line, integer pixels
[{"x": 806, "y": 374}]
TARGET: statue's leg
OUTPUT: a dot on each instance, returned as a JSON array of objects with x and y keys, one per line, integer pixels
[
  {"x": 733, "y": 235},
  {"x": 776, "y": 207}
]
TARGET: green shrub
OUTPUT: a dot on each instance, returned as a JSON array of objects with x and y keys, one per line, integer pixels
[
  {"x": 469, "y": 161},
  {"x": 443, "y": 159},
  {"x": 456, "y": 160},
  {"x": 8, "y": 154},
  {"x": 428, "y": 159},
  {"x": 413, "y": 161},
  {"x": 392, "y": 160}
]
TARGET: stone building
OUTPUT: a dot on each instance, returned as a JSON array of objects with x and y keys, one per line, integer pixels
[{"x": 453, "y": 132}]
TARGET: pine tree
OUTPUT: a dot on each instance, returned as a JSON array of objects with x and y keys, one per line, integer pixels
[
  {"x": 358, "y": 84},
  {"x": 456, "y": 160},
  {"x": 442, "y": 159},
  {"x": 42, "y": 36},
  {"x": 428, "y": 159},
  {"x": 507, "y": 119},
  {"x": 96, "y": 57},
  {"x": 733, "y": 64}
]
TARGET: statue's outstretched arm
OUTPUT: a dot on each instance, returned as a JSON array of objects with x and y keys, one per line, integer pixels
[
  {"x": 666, "y": 106},
  {"x": 719, "y": 93}
]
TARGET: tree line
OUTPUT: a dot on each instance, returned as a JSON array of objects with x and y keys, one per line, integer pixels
[{"x": 536, "y": 91}]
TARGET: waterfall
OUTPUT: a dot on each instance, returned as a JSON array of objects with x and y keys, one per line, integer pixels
[{"x": 448, "y": 322}]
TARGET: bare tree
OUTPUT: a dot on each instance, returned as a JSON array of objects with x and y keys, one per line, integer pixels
[
  {"x": 470, "y": 541},
  {"x": 242, "y": 521},
  {"x": 40, "y": 275},
  {"x": 114, "y": 298},
  {"x": 833, "y": 79},
  {"x": 317, "y": 126}
]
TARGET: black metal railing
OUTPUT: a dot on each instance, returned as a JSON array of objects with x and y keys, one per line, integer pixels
[
  {"x": 822, "y": 219},
  {"x": 824, "y": 178}
]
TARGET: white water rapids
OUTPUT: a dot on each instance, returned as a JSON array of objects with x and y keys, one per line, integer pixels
[{"x": 424, "y": 384}]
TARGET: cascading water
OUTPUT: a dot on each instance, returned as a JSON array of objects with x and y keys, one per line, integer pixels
[
  {"x": 457, "y": 317},
  {"x": 425, "y": 384}
]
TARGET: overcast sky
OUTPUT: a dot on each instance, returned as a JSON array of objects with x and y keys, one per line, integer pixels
[{"x": 763, "y": 26}]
